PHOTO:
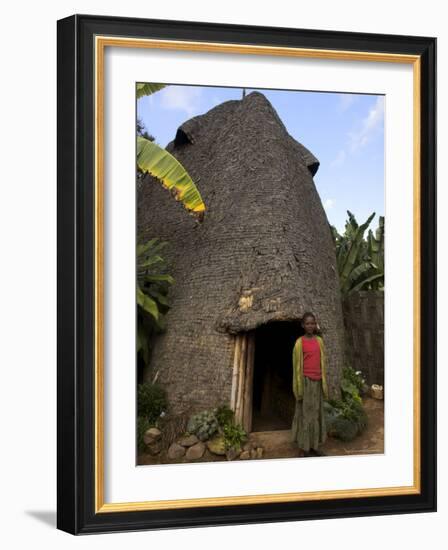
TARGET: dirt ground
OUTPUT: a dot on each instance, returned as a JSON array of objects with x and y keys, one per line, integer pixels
[{"x": 277, "y": 444}]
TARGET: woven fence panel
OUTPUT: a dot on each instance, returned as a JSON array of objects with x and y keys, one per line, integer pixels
[{"x": 364, "y": 330}]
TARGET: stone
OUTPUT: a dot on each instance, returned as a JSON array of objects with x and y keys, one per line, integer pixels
[
  {"x": 233, "y": 453},
  {"x": 376, "y": 391},
  {"x": 245, "y": 455},
  {"x": 151, "y": 435},
  {"x": 259, "y": 452},
  {"x": 247, "y": 446},
  {"x": 176, "y": 451},
  {"x": 195, "y": 451},
  {"x": 253, "y": 453},
  {"x": 188, "y": 440},
  {"x": 154, "y": 448},
  {"x": 216, "y": 445}
]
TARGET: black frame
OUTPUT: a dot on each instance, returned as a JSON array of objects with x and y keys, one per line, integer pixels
[{"x": 75, "y": 385}]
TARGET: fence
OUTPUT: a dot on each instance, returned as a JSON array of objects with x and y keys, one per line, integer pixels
[{"x": 364, "y": 330}]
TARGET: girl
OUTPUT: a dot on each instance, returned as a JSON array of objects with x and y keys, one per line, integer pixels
[{"x": 310, "y": 389}]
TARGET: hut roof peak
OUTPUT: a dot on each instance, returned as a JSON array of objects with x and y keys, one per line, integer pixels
[{"x": 254, "y": 113}]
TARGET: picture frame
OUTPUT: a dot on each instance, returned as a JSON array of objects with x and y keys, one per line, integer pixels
[{"x": 82, "y": 199}]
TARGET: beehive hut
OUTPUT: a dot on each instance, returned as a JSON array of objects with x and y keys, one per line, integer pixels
[{"x": 262, "y": 257}]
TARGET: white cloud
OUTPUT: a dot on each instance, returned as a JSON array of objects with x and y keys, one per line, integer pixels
[
  {"x": 182, "y": 98},
  {"x": 369, "y": 125},
  {"x": 340, "y": 158},
  {"x": 346, "y": 101},
  {"x": 328, "y": 204}
]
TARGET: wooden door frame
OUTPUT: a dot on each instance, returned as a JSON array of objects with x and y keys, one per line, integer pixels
[{"x": 241, "y": 400}]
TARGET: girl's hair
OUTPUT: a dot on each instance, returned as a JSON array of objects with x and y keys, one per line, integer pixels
[
  {"x": 311, "y": 314},
  {"x": 308, "y": 314}
]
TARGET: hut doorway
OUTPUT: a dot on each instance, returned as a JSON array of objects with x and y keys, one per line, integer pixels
[
  {"x": 273, "y": 399},
  {"x": 262, "y": 396}
]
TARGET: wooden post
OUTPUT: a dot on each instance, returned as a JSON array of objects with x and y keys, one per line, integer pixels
[
  {"x": 241, "y": 377},
  {"x": 236, "y": 362},
  {"x": 248, "y": 386}
]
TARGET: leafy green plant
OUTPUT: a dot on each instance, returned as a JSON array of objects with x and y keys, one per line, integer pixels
[
  {"x": 354, "y": 377},
  {"x": 204, "y": 424},
  {"x": 224, "y": 415},
  {"x": 346, "y": 417},
  {"x": 234, "y": 436},
  {"x": 163, "y": 166},
  {"x": 151, "y": 401},
  {"x": 153, "y": 284},
  {"x": 360, "y": 261}
]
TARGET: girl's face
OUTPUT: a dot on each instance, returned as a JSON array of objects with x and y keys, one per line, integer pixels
[{"x": 309, "y": 325}]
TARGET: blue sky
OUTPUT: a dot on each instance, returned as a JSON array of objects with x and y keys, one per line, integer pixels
[{"x": 344, "y": 131}]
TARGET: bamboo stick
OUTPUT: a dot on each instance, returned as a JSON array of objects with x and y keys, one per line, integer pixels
[
  {"x": 236, "y": 360},
  {"x": 241, "y": 373}
]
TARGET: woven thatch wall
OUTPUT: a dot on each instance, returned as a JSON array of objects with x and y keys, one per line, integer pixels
[
  {"x": 264, "y": 251},
  {"x": 364, "y": 323}
]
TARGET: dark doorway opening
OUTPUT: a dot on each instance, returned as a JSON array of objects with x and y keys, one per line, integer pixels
[{"x": 273, "y": 399}]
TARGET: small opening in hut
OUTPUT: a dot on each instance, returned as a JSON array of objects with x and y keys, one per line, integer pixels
[{"x": 273, "y": 398}]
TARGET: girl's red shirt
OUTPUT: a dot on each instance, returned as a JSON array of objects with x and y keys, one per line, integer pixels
[{"x": 311, "y": 358}]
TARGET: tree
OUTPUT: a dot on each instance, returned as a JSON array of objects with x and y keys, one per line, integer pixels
[
  {"x": 360, "y": 261},
  {"x": 158, "y": 162}
]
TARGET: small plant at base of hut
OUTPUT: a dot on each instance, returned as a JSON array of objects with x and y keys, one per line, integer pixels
[
  {"x": 224, "y": 415},
  {"x": 151, "y": 401},
  {"x": 349, "y": 375},
  {"x": 204, "y": 425},
  {"x": 234, "y": 436},
  {"x": 346, "y": 417}
]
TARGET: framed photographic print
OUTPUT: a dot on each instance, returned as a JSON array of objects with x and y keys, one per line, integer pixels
[{"x": 246, "y": 274}]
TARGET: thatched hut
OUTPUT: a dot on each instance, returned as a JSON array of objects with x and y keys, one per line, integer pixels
[{"x": 244, "y": 277}]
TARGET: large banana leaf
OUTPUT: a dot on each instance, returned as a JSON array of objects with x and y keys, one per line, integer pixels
[
  {"x": 352, "y": 255},
  {"x": 358, "y": 276},
  {"x": 376, "y": 244},
  {"x": 373, "y": 278},
  {"x": 147, "y": 303},
  {"x": 148, "y": 88},
  {"x": 162, "y": 165}
]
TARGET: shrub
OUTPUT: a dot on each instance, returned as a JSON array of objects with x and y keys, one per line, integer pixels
[
  {"x": 234, "y": 436},
  {"x": 346, "y": 417},
  {"x": 151, "y": 401},
  {"x": 224, "y": 415},
  {"x": 204, "y": 424}
]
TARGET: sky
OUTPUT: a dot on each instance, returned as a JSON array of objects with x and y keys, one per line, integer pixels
[{"x": 344, "y": 131}]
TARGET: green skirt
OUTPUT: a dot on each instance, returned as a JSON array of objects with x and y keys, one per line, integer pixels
[{"x": 308, "y": 428}]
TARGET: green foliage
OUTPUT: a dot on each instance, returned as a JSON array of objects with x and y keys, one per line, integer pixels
[
  {"x": 153, "y": 284},
  {"x": 346, "y": 417},
  {"x": 360, "y": 261},
  {"x": 148, "y": 88},
  {"x": 234, "y": 436},
  {"x": 151, "y": 401},
  {"x": 218, "y": 420},
  {"x": 204, "y": 424},
  {"x": 169, "y": 171},
  {"x": 349, "y": 375},
  {"x": 143, "y": 132},
  {"x": 224, "y": 415},
  {"x": 163, "y": 166}
]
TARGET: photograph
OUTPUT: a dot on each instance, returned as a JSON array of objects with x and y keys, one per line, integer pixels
[{"x": 260, "y": 230}]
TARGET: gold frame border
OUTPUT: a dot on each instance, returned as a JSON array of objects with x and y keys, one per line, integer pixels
[{"x": 101, "y": 42}]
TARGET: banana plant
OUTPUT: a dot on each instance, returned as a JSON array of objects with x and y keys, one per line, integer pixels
[
  {"x": 360, "y": 263},
  {"x": 153, "y": 159},
  {"x": 148, "y": 88},
  {"x": 152, "y": 288}
]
